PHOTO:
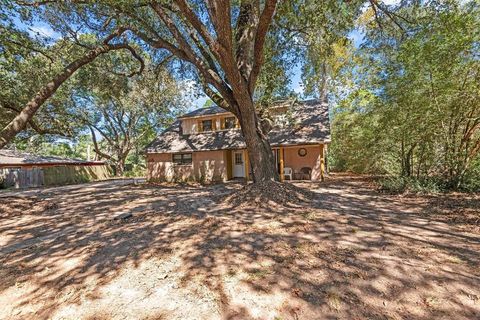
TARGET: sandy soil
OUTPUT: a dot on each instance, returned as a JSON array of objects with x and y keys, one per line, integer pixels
[{"x": 353, "y": 253}]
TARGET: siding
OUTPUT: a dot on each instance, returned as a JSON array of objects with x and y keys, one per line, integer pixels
[
  {"x": 208, "y": 166},
  {"x": 190, "y": 125}
]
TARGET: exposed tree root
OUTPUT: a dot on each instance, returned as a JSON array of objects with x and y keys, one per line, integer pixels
[{"x": 268, "y": 194}]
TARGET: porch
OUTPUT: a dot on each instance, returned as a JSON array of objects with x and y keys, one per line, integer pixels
[{"x": 299, "y": 162}]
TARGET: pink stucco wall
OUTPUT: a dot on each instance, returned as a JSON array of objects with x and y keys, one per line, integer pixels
[
  {"x": 207, "y": 166},
  {"x": 311, "y": 159}
]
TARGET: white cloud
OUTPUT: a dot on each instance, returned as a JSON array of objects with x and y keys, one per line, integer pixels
[
  {"x": 391, "y": 2},
  {"x": 44, "y": 31}
]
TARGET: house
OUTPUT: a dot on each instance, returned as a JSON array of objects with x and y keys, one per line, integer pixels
[
  {"x": 207, "y": 145},
  {"x": 22, "y": 170}
]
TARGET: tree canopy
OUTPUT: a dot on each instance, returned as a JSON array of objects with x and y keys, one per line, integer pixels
[
  {"x": 414, "y": 106},
  {"x": 404, "y": 100}
]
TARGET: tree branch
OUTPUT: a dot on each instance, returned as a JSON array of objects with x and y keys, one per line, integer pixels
[
  {"x": 262, "y": 29},
  {"x": 97, "y": 149},
  {"x": 391, "y": 15},
  {"x": 199, "y": 26},
  {"x": 35, "y": 126},
  {"x": 20, "y": 121}
]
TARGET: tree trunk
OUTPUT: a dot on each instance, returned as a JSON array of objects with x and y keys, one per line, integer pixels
[
  {"x": 259, "y": 151},
  {"x": 228, "y": 63},
  {"x": 120, "y": 167},
  {"x": 324, "y": 84},
  {"x": 120, "y": 164},
  {"x": 20, "y": 121}
]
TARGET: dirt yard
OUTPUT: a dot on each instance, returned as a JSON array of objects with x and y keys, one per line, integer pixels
[{"x": 353, "y": 253}]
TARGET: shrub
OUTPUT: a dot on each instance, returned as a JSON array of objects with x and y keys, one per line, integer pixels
[
  {"x": 471, "y": 182},
  {"x": 136, "y": 171},
  {"x": 411, "y": 184}
]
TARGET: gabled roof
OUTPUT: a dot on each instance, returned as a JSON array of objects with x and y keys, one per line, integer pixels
[
  {"x": 10, "y": 157},
  {"x": 204, "y": 112},
  {"x": 311, "y": 127}
]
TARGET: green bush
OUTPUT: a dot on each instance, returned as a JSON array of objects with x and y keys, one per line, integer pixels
[
  {"x": 136, "y": 171},
  {"x": 411, "y": 184},
  {"x": 471, "y": 182}
]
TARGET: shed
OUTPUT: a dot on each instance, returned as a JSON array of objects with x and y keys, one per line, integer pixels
[{"x": 22, "y": 170}]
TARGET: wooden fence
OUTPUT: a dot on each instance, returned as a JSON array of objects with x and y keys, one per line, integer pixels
[{"x": 22, "y": 177}]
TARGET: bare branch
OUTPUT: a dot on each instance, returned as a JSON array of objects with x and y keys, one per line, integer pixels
[
  {"x": 390, "y": 14},
  {"x": 95, "y": 145},
  {"x": 220, "y": 15},
  {"x": 199, "y": 27},
  {"x": 262, "y": 29}
]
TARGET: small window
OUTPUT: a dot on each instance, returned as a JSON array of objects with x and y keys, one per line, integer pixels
[
  {"x": 238, "y": 159},
  {"x": 207, "y": 125},
  {"x": 182, "y": 158},
  {"x": 230, "y": 122}
]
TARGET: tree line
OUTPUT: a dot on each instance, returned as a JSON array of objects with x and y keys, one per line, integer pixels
[
  {"x": 404, "y": 102},
  {"x": 222, "y": 46},
  {"x": 412, "y": 105}
]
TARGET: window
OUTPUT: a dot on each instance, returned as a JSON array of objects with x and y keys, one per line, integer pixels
[
  {"x": 230, "y": 122},
  {"x": 207, "y": 125},
  {"x": 238, "y": 159},
  {"x": 182, "y": 158}
]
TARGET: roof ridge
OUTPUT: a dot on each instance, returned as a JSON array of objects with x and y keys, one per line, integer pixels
[
  {"x": 313, "y": 127},
  {"x": 197, "y": 112}
]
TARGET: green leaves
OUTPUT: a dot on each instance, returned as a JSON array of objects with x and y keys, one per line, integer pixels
[{"x": 422, "y": 96}]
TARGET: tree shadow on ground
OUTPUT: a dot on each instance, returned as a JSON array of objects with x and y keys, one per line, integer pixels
[{"x": 352, "y": 253}]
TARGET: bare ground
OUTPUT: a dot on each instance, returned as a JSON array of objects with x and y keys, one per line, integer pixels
[{"x": 353, "y": 253}]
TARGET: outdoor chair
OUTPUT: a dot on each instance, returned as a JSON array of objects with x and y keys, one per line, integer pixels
[
  {"x": 287, "y": 172},
  {"x": 306, "y": 173}
]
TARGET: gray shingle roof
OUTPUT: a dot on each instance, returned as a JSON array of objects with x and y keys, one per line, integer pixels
[
  {"x": 204, "y": 112},
  {"x": 13, "y": 158},
  {"x": 311, "y": 127}
]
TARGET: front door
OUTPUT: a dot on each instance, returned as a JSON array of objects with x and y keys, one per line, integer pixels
[{"x": 238, "y": 165}]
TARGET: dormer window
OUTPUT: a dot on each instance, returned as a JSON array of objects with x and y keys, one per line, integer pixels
[
  {"x": 207, "y": 125},
  {"x": 230, "y": 122}
]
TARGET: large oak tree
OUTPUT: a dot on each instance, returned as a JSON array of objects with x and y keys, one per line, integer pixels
[
  {"x": 25, "y": 114},
  {"x": 224, "y": 42}
]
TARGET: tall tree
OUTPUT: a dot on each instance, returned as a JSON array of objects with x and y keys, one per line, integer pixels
[
  {"x": 414, "y": 110},
  {"x": 123, "y": 114},
  {"x": 25, "y": 115},
  {"x": 223, "y": 41}
]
